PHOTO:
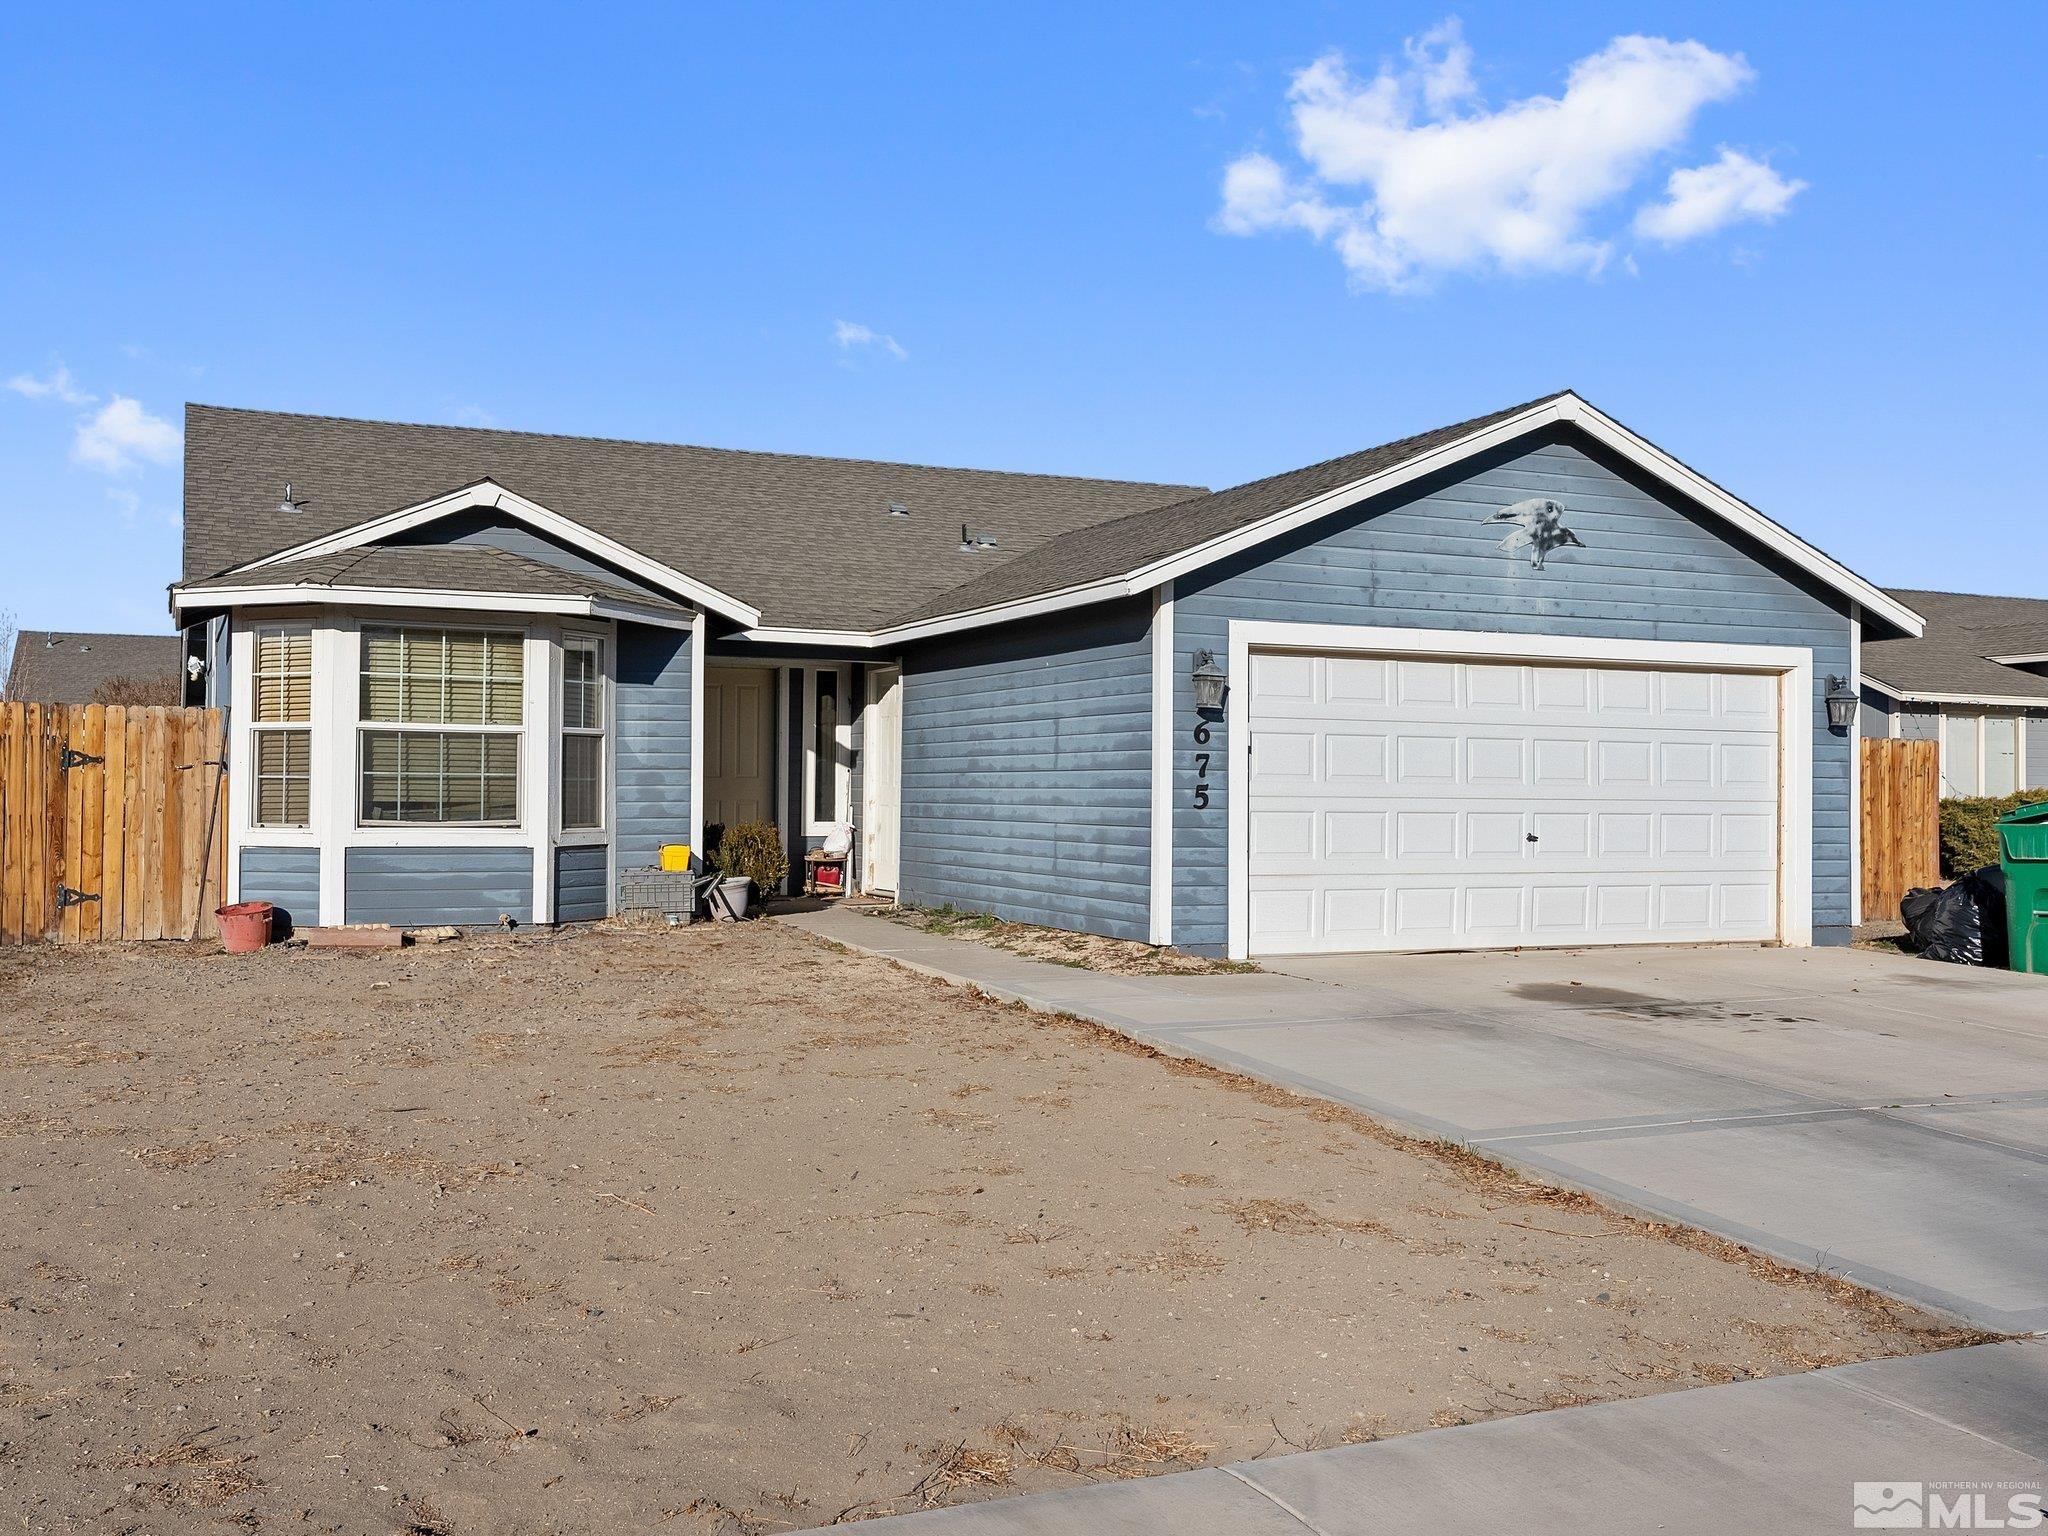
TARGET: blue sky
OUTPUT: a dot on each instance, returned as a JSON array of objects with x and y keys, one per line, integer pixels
[{"x": 679, "y": 223}]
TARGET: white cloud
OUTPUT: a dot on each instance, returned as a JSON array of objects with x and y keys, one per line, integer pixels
[
  {"x": 1410, "y": 175},
  {"x": 58, "y": 386},
  {"x": 121, "y": 433},
  {"x": 1443, "y": 62},
  {"x": 128, "y": 507},
  {"x": 1709, "y": 197},
  {"x": 849, "y": 335}
]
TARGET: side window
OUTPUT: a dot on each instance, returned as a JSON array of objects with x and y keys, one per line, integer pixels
[
  {"x": 281, "y": 715},
  {"x": 583, "y": 709}
]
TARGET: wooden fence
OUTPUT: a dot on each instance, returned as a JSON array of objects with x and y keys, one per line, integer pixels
[
  {"x": 1901, "y": 823},
  {"x": 113, "y": 822}
]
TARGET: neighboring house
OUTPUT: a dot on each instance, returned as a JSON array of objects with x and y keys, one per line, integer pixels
[
  {"x": 65, "y": 667},
  {"x": 1976, "y": 681},
  {"x": 1526, "y": 679}
]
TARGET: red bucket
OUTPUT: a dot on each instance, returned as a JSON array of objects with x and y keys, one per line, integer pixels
[{"x": 244, "y": 926}]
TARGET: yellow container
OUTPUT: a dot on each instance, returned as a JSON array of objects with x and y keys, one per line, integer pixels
[{"x": 675, "y": 857}]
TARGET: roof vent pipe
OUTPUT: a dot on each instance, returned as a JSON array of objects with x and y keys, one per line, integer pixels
[{"x": 897, "y": 509}]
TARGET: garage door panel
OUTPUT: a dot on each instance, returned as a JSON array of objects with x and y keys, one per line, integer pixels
[
  {"x": 1278, "y": 678},
  {"x": 1425, "y": 682},
  {"x": 1349, "y": 836},
  {"x": 1356, "y": 680},
  {"x": 1456, "y": 805},
  {"x": 1356, "y": 757}
]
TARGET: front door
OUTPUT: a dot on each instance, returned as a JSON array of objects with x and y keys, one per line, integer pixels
[
  {"x": 739, "y": 745},
  {"x": 883, "y": 780}
]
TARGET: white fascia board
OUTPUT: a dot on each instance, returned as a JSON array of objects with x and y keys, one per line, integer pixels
[
  {"x": 1566, "y": 408},
  {"x": 2019, "y": 661},
  {"x": 1993, "y": 700},
  {"x": 421, "y": 597},
  {"x": 1908, "y": 696},
  {"x": 975, "y": 618},
  {"x": 1772, "y": 535},
  {"x": 490, "y": 495},
  {"x": 768, "y": 634}
]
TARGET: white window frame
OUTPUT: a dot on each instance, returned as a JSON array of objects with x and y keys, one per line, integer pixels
[
  {"x": 523, "y": 788},
  {"x": 607, "y": 650},
  {"x": 259, "y": 728},
  {"x": 842, "y": 741},
  {"x": 1949, "y": 715}
]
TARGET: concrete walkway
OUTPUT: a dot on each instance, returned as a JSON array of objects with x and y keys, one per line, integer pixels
[
  {"x": 1875, "y": 1116},
  {"x": 1782, "y": 1455}
]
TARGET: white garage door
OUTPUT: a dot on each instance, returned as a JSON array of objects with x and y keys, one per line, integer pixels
[{"x": 1397, "y": 804}]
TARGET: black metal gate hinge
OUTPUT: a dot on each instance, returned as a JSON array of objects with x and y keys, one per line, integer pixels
[
  {"x": 71, "y": 758},
  {"x": 67, "y": 897}
]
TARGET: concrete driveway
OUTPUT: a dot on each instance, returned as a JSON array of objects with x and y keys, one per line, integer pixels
[{"x": 1881, "y": 1117}]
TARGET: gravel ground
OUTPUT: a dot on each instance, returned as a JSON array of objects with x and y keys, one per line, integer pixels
[{"x": 722, "y": 1229}]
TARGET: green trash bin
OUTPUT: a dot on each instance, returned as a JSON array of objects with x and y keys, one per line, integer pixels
[{"x": 2023, "y": 851}]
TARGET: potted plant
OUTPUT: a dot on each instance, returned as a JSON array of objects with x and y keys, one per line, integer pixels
[{"x": 748, "y": 857}]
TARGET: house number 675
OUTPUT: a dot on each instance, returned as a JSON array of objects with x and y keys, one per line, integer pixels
[{"x": 1202, "y": 767}]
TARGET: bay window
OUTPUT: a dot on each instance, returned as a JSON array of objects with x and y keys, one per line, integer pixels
[
  {"x": 441, "y": 717},
  {"x": 281, "y": 675},
  {"x": 583, "y": 710}
]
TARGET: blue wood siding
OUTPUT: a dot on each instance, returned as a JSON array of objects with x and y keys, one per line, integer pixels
[
  {"x": 287, "y": 878},
  {"x": 1027, "y": 771},
  {"x": 1653, "y": 568},
  {"x": 416, "y": 887},
  {"x": 652, "y": 742},
  {"x": 581, "y": 891}
]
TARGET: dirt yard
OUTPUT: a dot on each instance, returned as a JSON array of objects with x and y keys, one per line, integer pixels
[
  {"x": 722, "y": 1229},
  {"x": 1057, "y": 946}
]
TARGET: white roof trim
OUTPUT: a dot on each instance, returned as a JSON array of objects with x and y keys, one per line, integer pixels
[
  {"x": 489, "y": 494},
  {"x": 1567, "y": 408},
  {"x": 2000, "y": 700},
  {"x": 298, "y": 595},
  {"x": 2019, "y": 661}
]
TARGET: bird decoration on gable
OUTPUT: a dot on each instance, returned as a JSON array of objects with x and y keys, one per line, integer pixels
[{"x": 1539, "y": 528}]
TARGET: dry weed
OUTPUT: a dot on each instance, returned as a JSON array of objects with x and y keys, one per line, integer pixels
[{"x": 1293, "y": 1218}]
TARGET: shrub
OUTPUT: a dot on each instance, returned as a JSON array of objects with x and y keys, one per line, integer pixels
[
  {"x": 752, "y": 851},
  {"x": 1968, "y": 840},
  {"x": 139, "y": 690}
]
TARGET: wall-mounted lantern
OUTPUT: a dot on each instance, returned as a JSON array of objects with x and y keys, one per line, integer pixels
[
  {"x": 1209, "y": 680},
  {"x": 1841, "y": 704}
]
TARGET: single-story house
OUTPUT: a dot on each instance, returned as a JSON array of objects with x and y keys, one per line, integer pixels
[
  {"x": 1976, "y": 681},
  {"x": 1527, "y": 679},
  {"x": 67, "y": 667}
]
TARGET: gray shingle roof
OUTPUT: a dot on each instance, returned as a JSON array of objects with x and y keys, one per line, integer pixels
[
  {"x": 66, "y": 667},
  {"x": 807, "y": 540},
  {"x": 1963, "y": 629},
  {"x": 435, "y": 567},
  {"x": 1117, "y": 547}
]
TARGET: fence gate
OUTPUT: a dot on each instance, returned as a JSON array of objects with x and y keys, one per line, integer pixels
[
  {"x": 113, "y": 822},
  {"x": 1901, "y": 822}
]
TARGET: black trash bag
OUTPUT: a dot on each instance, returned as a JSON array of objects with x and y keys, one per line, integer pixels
[{"x": 1964, "y": 923}]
